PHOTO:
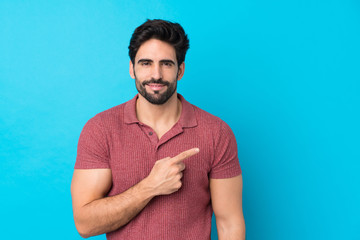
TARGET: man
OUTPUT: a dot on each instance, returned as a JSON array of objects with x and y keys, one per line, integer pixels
[{"x": 156, "y": 167}]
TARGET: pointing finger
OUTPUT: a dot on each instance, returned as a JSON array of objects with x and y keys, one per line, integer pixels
[{"x": 186, "y": 154}]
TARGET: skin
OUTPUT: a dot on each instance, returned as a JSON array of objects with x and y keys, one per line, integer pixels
[
  {"x": 226, "y": 200},
  {"x": 157, "y": 60},
  {"x": 95, "y": 214}
]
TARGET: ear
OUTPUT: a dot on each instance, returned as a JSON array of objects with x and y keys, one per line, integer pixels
[
  {"x": 131, "y": 70},
  {"x": 181, "y": 71}
]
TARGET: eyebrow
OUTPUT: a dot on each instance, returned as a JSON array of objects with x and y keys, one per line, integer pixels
[
  {"x": 145, "y": 60},
  {"x": 167, "y": 61}
]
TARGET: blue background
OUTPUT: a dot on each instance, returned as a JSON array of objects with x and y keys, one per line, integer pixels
[{"x": 283, "y": 74}]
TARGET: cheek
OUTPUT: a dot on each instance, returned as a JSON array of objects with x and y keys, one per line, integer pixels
[
  {"x": 170, "y": 74},
  {"x": 141, "y": 74}
]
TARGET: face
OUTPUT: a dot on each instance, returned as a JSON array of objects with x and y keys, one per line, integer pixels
[{"x": 156, "y": 71}]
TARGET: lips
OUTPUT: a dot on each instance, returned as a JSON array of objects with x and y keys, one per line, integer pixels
[{"x": 155, "y": 86}]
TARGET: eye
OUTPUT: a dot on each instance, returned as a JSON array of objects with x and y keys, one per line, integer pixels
[
  {"x": 145, "y": 63},
  {"x": 168, "y": 64}
]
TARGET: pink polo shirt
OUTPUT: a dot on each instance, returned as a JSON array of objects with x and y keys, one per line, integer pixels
[{"x": 116, "y": 139}]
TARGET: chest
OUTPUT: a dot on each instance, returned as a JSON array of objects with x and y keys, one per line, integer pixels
[{"x": 132, "y": 158}]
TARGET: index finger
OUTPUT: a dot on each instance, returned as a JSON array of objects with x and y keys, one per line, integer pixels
[{"x": 186, "y": 154}]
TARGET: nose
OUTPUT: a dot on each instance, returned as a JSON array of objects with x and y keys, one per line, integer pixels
[{"x": 156, "y": 71}]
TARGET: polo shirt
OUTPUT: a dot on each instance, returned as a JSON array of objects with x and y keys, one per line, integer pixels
[{"x": 116, "y": 139}]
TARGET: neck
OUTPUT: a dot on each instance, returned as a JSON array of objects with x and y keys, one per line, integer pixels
[{"x": 155, "y": 115}]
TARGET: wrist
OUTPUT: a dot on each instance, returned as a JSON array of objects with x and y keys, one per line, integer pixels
[{"x": 147, "y": 188}]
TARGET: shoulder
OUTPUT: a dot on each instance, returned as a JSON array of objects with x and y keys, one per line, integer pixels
[
  {"x": 206, "y": 119},
  {"x": 111, "y": 114},
  {"x": 108, "y": 118},
  {"x": 214, "y": 127}
]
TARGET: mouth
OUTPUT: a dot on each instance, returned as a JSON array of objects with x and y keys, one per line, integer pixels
[{"x": 155, "y": 86}]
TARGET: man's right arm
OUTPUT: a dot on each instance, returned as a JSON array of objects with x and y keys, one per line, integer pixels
[{"x": 96, "y": 214}]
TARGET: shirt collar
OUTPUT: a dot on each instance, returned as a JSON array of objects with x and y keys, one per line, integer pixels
[
  {"x": 130, "y": 111},
  {"x": 187, "y": 117}
]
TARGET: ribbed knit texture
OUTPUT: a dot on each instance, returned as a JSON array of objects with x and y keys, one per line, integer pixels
[{"x": 116, "y": 139}]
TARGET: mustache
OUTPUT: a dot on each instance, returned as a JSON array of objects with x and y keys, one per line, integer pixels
[{"x": 156, "y": 81}]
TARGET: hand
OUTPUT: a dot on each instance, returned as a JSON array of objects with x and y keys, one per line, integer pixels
[{"x": 165, "y": 176}]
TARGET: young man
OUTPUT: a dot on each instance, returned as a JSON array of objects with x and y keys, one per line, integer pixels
[{"x": 156, "y": 167}]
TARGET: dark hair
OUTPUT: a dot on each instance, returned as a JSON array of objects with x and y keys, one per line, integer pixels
[{"x": 166, "y": 31}]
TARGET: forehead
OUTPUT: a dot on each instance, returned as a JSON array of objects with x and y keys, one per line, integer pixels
[{"x": 156, "y": 50}]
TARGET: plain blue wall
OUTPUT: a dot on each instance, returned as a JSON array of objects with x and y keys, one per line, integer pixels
[{"x": 283, "y": 74}]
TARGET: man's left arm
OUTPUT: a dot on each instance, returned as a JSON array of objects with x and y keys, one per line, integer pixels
[{"x": 226, "y": 198}]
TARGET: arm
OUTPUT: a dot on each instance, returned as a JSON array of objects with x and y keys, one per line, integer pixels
[
  {"x": 226, "y": 198},
  {"x": 93, "y": 213},
  {"x": 96, "y": 214}
]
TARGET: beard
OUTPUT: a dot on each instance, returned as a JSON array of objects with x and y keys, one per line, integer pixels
[{"x": 157, "y": 97}]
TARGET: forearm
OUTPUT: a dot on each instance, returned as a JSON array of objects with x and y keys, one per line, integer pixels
[
  {"x": 96, "y": 215},
  {"x": 110, "y": 213},
  {"x": 231, "y": 230}
]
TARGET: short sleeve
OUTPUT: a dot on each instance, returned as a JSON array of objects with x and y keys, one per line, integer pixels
[
  {"x": 93, "y": 150},
  {"x": 226, "y": 162}
]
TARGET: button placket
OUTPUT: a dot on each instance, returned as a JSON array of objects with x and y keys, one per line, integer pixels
[{"x": 149, "y": 132}]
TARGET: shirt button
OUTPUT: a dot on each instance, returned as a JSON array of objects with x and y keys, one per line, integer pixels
[{"x": 150, "y": 133}]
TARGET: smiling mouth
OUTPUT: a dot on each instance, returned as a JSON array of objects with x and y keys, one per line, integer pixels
[{"x": 155, "y": 86}]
